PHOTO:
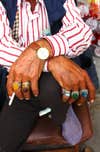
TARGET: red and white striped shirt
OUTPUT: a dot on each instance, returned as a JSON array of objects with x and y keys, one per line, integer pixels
[{"x": 73, "y": 38}]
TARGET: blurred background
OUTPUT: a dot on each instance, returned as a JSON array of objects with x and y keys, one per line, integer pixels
[{"x": 90, "y": 11}]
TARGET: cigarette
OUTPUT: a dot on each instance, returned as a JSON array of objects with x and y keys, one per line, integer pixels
[
  {"x": 11, "y": 99},
  {"x": 45, "y": 111}
]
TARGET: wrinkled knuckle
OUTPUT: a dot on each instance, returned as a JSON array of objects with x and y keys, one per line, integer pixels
[
  {"x": 68, "y": 86},
  {"x": 33, "y": 77},
  {"x": 25, "y": 75},
  {"x": 30, "y": 77},
  {"x": 17, "y": 72},
  {"x": 82, "y": 80},
  {"x": 76, "y": 82}
]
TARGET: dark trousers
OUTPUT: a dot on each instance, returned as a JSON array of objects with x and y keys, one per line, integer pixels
[{"x": 17, "y": 120}]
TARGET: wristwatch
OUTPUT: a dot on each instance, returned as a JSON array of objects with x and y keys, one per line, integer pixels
[{"x": 43, "y": 53}]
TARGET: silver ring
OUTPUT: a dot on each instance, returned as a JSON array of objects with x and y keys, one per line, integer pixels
[
  {"x": 66, "y": 92},
  {"x": 84, "y": 93},
  {"x": 75, "y": 94}
]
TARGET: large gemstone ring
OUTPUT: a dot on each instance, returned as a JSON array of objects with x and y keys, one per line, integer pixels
[
  {"x": 84, "y": 93},
  {"x": 16, "y": 85},
  {"x": 26, "y": 86},
  {"x": 75, "y": 94}
]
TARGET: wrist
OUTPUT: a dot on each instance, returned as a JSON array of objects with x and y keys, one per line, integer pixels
[
  {"x": 43, "y": 43},
  {"x": 34, "y": 46},
  {"x": 42, "y": 48},
  {"x": 41, "y": 52},
  {"x": 48, "y": 64}
]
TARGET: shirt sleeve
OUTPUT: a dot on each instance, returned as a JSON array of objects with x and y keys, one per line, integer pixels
[
  {"x": 74, "y": 36},
  {"x": 9, "y": 49}
]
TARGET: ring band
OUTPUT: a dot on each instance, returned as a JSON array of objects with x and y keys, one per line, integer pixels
[
  {"x": 66, "y": 92},
  {"x": 26, "y": 86},
  {"x": 84, "y": 93},
  {"x": 16, "y": 85},
  {"x": 75, "y": 94}
]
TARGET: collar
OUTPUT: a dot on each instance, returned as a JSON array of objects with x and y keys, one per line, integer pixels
[{"x": 55, "y": 9}]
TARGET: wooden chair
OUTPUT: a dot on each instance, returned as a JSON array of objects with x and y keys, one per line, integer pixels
[{"x": 46, "y": 136}]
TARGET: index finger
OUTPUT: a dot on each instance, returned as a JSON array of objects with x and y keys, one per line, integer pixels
[{"x": 10, "y": 80}]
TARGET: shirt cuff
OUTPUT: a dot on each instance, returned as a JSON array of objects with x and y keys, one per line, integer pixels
[
  {"x": 45, "y": 68},
  {"x": 59, "y": 44}
]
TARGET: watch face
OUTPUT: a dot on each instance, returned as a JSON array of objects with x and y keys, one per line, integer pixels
[{"x": 42, "y": 53}]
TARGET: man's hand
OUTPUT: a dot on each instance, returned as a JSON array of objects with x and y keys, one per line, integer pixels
[
  {"x": 27, "y": 68},
  {"x": 71, "y": 77}
]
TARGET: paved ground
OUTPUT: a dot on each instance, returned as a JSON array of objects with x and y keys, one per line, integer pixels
[{"x": 94, "y": 142}]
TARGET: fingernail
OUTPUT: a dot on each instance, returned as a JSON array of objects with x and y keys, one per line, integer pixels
[
  {"x": 21, "y": 98},
  {"x": 36, "y": 95},
  {"x": 79, "y": 104},
  {"x": 27, "y": 98},
  {"x": 92, "y": 101}
]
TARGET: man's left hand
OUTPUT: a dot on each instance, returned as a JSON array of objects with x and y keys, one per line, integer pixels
[{"x": 72, "y": 79}]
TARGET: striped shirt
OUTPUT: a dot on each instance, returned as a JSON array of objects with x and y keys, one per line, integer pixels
[{"x": 73, "y": 38}]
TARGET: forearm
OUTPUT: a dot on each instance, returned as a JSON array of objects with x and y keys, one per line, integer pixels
[
  {"x": 9, "y": 51},
  {"x": 71, "y": 42},
  {"x": 74, "y": 37}
]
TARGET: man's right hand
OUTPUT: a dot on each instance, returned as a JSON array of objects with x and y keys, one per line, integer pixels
[
  {"x": 71, "y": 77},
  {"x": 26, "y": 69}
]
